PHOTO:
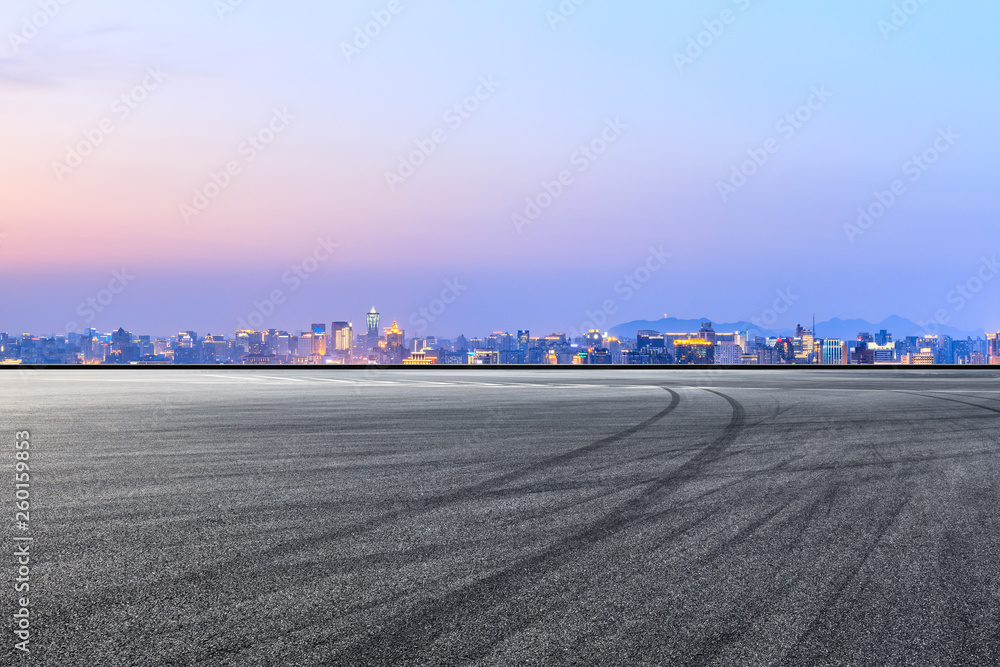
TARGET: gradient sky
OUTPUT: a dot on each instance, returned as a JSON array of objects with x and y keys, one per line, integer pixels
[{"x": 656, "y": 186}]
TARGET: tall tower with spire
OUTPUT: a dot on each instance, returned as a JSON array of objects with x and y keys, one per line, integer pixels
[{"x": 373, "y": 321}]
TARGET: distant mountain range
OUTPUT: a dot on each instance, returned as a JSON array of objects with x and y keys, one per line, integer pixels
[{"x": 899, "y": 327}]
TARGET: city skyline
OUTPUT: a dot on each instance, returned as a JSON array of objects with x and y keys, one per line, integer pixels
[
  {"x": 388, "y": 345},
  {"x": 537, "y": 155},
  {"x": 418, "y": 324}
]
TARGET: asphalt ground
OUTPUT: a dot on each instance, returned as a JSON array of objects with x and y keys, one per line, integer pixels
[{"x": 317, "y": 517}]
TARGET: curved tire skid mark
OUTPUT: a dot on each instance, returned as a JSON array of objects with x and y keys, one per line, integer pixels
[
  {"x": 471, "y": 492},
  {"x": 479, "y": 604},
  {"x": 825, "y": 615},
  {"x": 951, "y": 400}
]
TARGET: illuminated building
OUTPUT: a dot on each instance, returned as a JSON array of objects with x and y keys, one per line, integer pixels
[
  {"x": 923, "y": 358},
  {"x": 214, "y": 348},
  {"x": 728, "y": 354},
  {"x": 600, "y": 355},
  {"x": 832, "y": 352},
  {"x": 706, "y": 332},
  {"x": 883, "y": 353},
  {"x": 319, "y": 344},
  {"x": 593, "y": 338},
  {"x": 862, "y": 354},
  {"x": 784, "y": 348},
  {"x": 372, "y": 321},
  {"x": 614, "y": 347},
  {"x": 304, "y": 345},
  {"x": 241, "y": 343},
  {"x": 343, "y": 338},
  {"x": 394, "y": 336},
  {"x": 420, "y": 359},
  {"x": 122, "y": 349},
  {"x": 646, "y": 339},
  {"x": 993, "y": 348},
  {"x": 804, "y": 345},
  {"x": 319, "y": 338},
  {"x": 523, "y": 340},
  {"x": 694, "y": 351},
  {"x": 486, "y": 357}
]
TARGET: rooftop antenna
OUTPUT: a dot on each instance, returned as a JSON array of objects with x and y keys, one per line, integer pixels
[{"x": 814, "y": 325}]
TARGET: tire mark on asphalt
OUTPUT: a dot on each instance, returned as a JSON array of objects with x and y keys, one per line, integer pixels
[
  {"x": 481, "y": 489},
  {"x": 950, "y": 400},
  {"x": 481, "y": 602},
  {"x": 573, "y": 454},
  {"x": 848, "y": 575},
  {"x": 740, "y": 620},
  {"x": 471, "y": 492}
]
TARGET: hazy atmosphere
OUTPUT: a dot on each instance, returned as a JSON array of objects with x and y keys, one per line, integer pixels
[{"x": 530, "y": 157}]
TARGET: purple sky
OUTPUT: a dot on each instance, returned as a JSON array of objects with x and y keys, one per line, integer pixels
[{"x": 207, "y": 154}]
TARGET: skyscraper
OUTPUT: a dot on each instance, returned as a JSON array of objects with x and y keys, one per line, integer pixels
[
  {"x": 694, "y": 351},
  {"x": 833, "y": 351},
  {"x": 706, "y": 332},
  {"x": 394, "y": 336},
  {"x": 343, "y": 336},
  {"x": 373, "y": 335},
  {"x": 320, "y": 340},
  {"x": 523, "y": 340}
]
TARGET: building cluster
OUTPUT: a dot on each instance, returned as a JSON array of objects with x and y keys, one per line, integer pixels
[{"x": 338, "y": 343}]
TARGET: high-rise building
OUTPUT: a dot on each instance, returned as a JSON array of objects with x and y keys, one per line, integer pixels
[
  {"x": 593, "y": 339},
  {"x": 804, "y": 344},
  {"x": 123, "y": 350},
  {"x": 784, "y": 349},
  {"x": 694, "y": 351},
  {"x": 373, "y": 331},
  {"x": 283, "y": 344},
  {"x": 523, "y": 340},
  {"x": 706, "y": 332},
  {"x": 728, "y": 353},
  {"x": 394, "y": 336},
  {"x": 343, "y": 336},
  {"x": 646, "y": 339},
  {"x": 304, "y": 345},
  {"x": 923, "y": 358},
  {"x": 320, "y": 341},
  {"x": 833, "y": 352},
  {"x": 993, "y": 348}
]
